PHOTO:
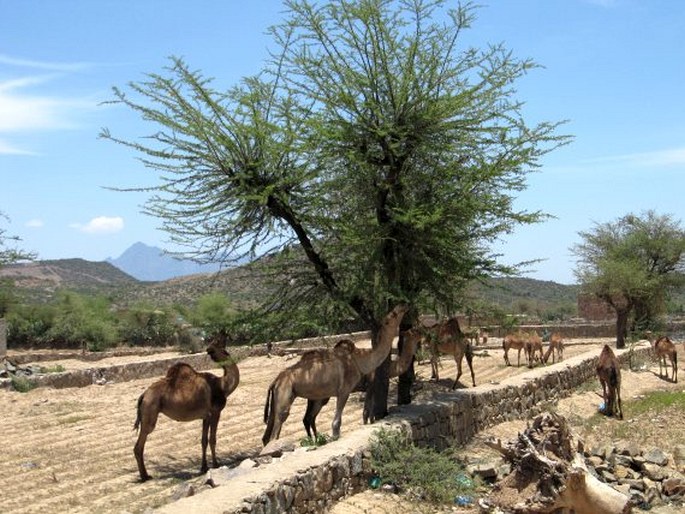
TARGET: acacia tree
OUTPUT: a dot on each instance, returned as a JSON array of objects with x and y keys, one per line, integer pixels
[
  {"x": 374, "y": 157},
  {"x": 632, "y": 264}
]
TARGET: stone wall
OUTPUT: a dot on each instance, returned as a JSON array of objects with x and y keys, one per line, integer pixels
[{"x": 310, "y": 482}]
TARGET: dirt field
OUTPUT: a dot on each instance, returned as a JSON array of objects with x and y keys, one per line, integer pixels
[{"x": 70, "y": 450}]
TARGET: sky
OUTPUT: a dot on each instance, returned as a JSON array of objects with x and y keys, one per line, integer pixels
[{"x": 614, "y": 69}]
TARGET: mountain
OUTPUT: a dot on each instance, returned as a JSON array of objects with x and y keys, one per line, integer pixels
[{"x": 151, "y": 264}]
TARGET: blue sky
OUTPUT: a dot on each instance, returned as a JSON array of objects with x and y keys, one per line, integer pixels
[{"x": 614, "y": 68}]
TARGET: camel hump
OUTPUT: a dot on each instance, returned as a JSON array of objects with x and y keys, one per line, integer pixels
[
  {"x": 346, "y": 345},
  {"x": 180, "y": 371}
]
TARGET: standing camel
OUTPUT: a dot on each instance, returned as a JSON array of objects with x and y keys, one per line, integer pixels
[
  {"x": 447, "y": 338},
  {"x": 517, "y": 341},
  {"x": 320, "y": 374},
  {"x": 412, "y": 337},
  {"x": 556, "y": 347},
  {"x": 609, "y": 374},
  {"x": 663, "y": 347},
  {"x": 533, "y": 348},
  {"x": 185, "y": 395}
]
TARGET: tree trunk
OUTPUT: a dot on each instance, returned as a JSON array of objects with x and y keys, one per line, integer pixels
[
  {"x": 621, "y": 327},
  {"x": 406, "y": 379},
  {"x": 379, "y": 391}
]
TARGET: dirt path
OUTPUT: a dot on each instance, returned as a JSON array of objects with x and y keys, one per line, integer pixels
[{"x": 70, "y": 450}]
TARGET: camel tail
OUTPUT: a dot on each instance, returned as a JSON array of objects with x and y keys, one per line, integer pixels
[
  {"x": 269, "y": 401},
  {"x": 139, "y": 412}
]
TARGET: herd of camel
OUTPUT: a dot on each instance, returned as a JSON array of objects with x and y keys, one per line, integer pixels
[{"x": 185, "y": 394}]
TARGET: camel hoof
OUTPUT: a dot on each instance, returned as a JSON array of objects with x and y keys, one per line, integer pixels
[{"x": 144, "y": 478}]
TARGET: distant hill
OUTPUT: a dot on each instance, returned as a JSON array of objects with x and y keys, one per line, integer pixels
[
  {"x": 151, "y": 264},
  {"x": 38, "y": 281},
  {"x": 244, "y": 285}
]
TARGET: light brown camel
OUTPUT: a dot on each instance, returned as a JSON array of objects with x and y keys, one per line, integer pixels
[
  {"x": 321, "y": 374},
  {"x": 533, "y": 348},
  {"x": 516, "y": 341},
  {"x": 663, "y": 347},
  {"x": 447, "y": 338},
  {"x": 186, "y": 395},
  {"x": 609, "y": 374},
  {"x": 556, "y": 348},
  {"x": 411, "y": 337}
]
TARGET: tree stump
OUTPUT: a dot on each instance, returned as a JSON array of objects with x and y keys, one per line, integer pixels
[{"x": 549, "y": 474}]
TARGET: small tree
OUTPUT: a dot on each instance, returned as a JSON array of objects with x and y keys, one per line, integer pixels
[{"x": 632, "y": 264}]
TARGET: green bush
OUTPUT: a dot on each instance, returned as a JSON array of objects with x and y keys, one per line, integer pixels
[
  {"x": 145, "y": 326},
  {"x": 423, "y": 472}
]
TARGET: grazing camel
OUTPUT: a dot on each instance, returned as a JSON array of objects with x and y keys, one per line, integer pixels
[
  {"x": 412, "y": 337},
  {"x": 609, "y": 374},
  {"x": 517, "y": 341},
  {"x": 533, "y": 348},
  {"x": 556, "y": 348},
  {"x": 664, "y": 347},
  {"x": 320, "y": 374},
  {"x": 447, "y": 338},
  {"x": 185, "y": 395}
]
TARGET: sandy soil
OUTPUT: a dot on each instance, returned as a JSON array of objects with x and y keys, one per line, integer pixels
[{"x": 70, "y": 450}]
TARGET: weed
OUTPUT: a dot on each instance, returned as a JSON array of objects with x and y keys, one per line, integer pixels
[
  {"x": 57, "y": 368},
  {"x": 319, "y": 440},
  {"x": 22, "y": 384},
  {"x": 422, "y": 471}
]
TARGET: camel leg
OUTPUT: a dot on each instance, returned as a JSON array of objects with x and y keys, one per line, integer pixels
[
  {"x": 519, "y": 360},
  {"x": 205, "y": 440},
  {"x": 469, "y": 361},
  {"x": 457, "y": 359},
  {"x": 213, "y": 425},
  {"x": 148, "y": 419},
  {"x": 309, "y": 420},
  {"x": 337, "y": 420},
  {"x": 506, "y": 357}
]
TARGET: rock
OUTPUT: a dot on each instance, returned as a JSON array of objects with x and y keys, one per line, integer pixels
[
  {"x": 679, "y": 457},
  {"x": 654, "y": 471},
  {"x": 277, "y": 448},
  {"x": 656, "y": 456},
  {"x": 484, "y": 470},
  {"x": 183, "y": 491},
  {"x": 673, "y": 486},
  {"x": 628, "y": 448}
]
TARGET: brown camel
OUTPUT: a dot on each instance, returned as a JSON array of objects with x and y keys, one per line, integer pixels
[
  {"x": 533, "y": 348},
  {"x": 556, "y": 348},
  {"x": 516, "y": 341},
  {"x": 663, "y": 347},
  {"x": 447, "y": 338},
  {"x": 609, "y": 374},
  {"x": 185, "y": 395},
  {"x": 321, "y": 374},
  {"x": 412, "y": 337}
]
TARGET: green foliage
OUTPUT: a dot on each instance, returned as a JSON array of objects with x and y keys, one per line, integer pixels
[
  {"x": 58, "y": 368},
  {"x": 320, "y": 440},
  {"x": 83, "y": 321},
  {"x": 633, "y": 264},
  {"x": 9, "y": 251},
  {"x": 21, "y": 384},
  {"x": 143, "y": 325},
  {"x": 427, "y": 474}
]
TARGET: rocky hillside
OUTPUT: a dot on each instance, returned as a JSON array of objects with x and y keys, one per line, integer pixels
[{"x": 38, "y": 281}]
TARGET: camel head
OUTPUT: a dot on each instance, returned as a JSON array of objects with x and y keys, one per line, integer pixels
[{"x": 217, "y": 349}]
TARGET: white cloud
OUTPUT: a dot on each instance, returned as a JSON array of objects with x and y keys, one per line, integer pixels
[
  {"x": 34, "y": 223},
  {"x": 657, "y": 158},
  {"x": 25, "y": 111},
  {"x": 101, "y": 225},
  {"x": 9, "y": 149},
  {"x": 43, "y": 65}
]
